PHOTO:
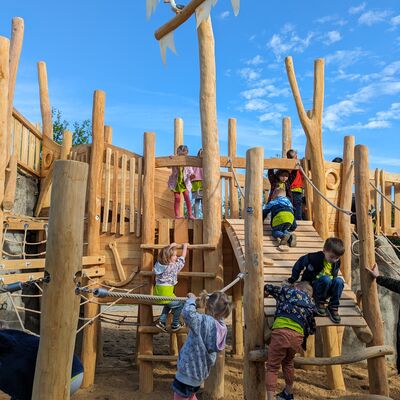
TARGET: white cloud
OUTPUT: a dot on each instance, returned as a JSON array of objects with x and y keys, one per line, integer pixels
[
  {"x": 224, "y": 14},
  {"x": 370, "y": 18},
  {"x": 332, "y": 37},
  {"x": 334, "y": 114},
  {"x": 256, "y": 60},
  {"x": 287, "y": 41},
  {"x": 333, "y": 19},
  {"x": 357, "y": 9},
  {"x": 345, "y": 58},
  {"x": 256, "y": 105},
  {"x": 265, "y": 90},
  {"x": 250, "y": 74},
  {"x": 342, "y": 75},
  {"x": 395, "y": 21},
  {"x": 254, "y": 93},
  {"x": 270, "y": 116}
]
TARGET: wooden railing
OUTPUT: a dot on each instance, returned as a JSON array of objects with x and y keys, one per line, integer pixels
[{"x": 27, "y": 143}]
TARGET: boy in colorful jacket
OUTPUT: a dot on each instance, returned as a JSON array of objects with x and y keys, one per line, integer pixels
[
  {"x": 283, "y": 222},
  {"x": 279, "y": 180},
  {"x": 294, "y": 322}
]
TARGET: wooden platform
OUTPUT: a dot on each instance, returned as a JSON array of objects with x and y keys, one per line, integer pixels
[{"x": 278, "y": 266}]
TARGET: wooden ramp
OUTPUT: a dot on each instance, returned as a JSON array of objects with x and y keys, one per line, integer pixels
[{"x": 278, "y": 266}]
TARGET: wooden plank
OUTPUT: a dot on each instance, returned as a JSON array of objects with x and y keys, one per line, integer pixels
[
  {"x": 226, "y": 197},
  {"x": 181, "y": 235},
  {"x": 139, "y": 198},
  {"x": 123, "y": 192},
  {"x": 38, "y": 144},
  {"x": 24, "y": 146},
  {"x": 190, "y": 246},
  {"x": 23, "y": 121},
  {"x": 115, "y": 190},
  {"x": 197, "y": 284},
  {"x": 132, "y": 167},
  {"x": 31, "y": 153},
  {"x": 17, "y": 138},
  {"x": 237, "y": 248},
  {"x": 107, "y": 173},
  {"x": 19, "y": 225}
]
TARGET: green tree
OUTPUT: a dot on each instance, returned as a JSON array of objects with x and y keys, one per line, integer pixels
[{"x": 81, "y": 131}]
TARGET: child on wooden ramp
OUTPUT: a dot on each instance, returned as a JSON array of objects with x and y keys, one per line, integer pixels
[
  {"x": 294, "y": 322},
  {"x": 179, "y": 182},
  {"x": 321, "y": 270},
  {"x": 279, "y": 180},
  {"x": 207, "y": 336},
  {"x": 197, "y": 186},
  {"x": 283, "y": 222},
  {"x": 166, "y": 269},
  {"x": 18, "y": 353}
]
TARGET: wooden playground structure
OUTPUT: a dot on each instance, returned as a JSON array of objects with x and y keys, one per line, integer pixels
[{"x": 108, "y": 236}]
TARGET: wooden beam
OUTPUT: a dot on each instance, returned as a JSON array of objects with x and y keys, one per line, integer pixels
[
  {"x": 377, "y": 370},
  {"x": 90, "y": 334},
  {"x": 178, "y": 20},
  {"x": 234, "y": 199},
  {"x": 254, "y": 373},
  {"x": 286, "y": 136},
  {"x": 346, "y": 190},
  {"x": 148, "y": 236},
  {"x": 60, "y": 313},
  {"x": 45, "y": 108},
  {"x": 180, "y": 246},
  {"x": 33, "y": 129},
  {"x": 178, "y": 140}
]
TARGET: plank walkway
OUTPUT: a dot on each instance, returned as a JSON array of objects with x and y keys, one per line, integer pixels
[{"x": 278, "y": 266}]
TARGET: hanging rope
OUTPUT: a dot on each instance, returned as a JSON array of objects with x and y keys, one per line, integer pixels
[
  {"x": 347, "y": 212},
  {"x": 386, "y": 198},
  {"x": 235, "y": 177}
]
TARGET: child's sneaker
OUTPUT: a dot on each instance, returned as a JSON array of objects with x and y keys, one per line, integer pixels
[
  {"x": 161, "y": 326},
  {"x": 284, "y": 240},
  {"x": 176, "y": 328},
  {"x": 284, "y": 396},
  {"x": 321, "y": 309},
  {"x": 333, "y": 314},
  {"x": 292, "y": 240}
]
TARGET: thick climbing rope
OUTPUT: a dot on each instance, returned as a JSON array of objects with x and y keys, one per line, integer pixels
[
  {"x": 347, "y": 212},
  {"x": 101, "y": 293},
  {"x": 386, "y": 198},
  {"x": 235, "y": 177}
]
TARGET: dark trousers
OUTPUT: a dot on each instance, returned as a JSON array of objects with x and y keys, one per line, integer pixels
[
  {"x": 281, "y": 230},
  {"x": 325, "y": 287},
  {"x": 298, "y": 205}
]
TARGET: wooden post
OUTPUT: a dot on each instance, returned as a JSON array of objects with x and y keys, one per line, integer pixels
[
  {"x": 286, "y": 136},
  {"x": 178, "y": 140},
  {"x": 89, "y": 344},
  {"x": 45, "y": 108},
  {"x": 377, "y": 205},
  {"x": 378, "y": 379},
  {"x": 312, "y": 125},
  {"x": 346, "y": 190},
  {"x": 384, "y": 205},
  {"x": 4, "y": 85},
  {"x": 60, "y": 304},
  {"x": 148, "y": 236},
  {"x": 234, "y": 200},
  {"x": 214, "y": 386},
  {"x": 66, "y": 145},
  {"x": 107, "y": 134},
  {"x": 253, "y": 374}
]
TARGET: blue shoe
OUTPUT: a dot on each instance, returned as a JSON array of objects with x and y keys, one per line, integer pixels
[{"x": 284, "y": 396}]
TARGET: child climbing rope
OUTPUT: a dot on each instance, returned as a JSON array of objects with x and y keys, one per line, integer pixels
[
  {"x": 294, "y": 322},
  {"x": 207, "y": 336},
  {"x": 296, "y": 187},
  {"x": 283, "y": 222},
  {"x": 18, "y": 353},
  {"x": 197, "y": 186},
  {"x": 279, "y": 180},
  {"x": 179, "y": 182},
  {"x": 166, "y": 269},
  {"x": 321, "y": 270}
]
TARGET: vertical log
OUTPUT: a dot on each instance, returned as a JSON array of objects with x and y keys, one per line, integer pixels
[
  {"x": 384, "y": 205},
  {"x": 60, "y": 311},
  {"x": 253, "y": 374},
  {"x": 178, "y": 140},
  {"x": 89, "y": 345},
  {"x": 107, "y": 134},
  {"x": 4, "y": 84},
  {"x": 232, "y": 153},
  {"x": 378, "y": 379},
  {"x": 66, "y": 145},
  {"x": 45, "y": 108},
  {"x": 148, "y": 235},
  {"x": 214, "y": 386},
  {"x": 286, "y": 135},
  {"x": 377, "y": 204},
  {"x": 346, "y": 190}
]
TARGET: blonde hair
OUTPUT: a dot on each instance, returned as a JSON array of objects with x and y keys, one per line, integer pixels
[
  {"x": 217, "y": 304},
  {"x": 279, "y": 192},
  {"x": 165, "y": 254},
  {"x": 305, "y": 287}
]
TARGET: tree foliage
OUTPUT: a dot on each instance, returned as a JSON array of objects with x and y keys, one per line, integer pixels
[{"x": 81, "y": 131}]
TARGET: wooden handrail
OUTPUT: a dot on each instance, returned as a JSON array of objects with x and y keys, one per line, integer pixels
[
  {"x": 17, "y": 115},
  {"x": 179, "y": 246}
]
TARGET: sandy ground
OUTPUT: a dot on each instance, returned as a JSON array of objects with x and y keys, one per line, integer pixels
[{"x": 117, "y": 375}]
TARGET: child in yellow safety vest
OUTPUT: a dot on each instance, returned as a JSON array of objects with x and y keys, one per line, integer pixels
[{"x": 166, "y": 269}]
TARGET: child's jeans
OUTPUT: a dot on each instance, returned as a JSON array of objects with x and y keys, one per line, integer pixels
[
  {"x": 183, "y": 391},
  {"x": 176, "y": 307},
  {"x": 281, "y": 230},
  {"x": 325, "y": 287},
  {"x": 298, "y": 205},
  {"x": 284, "y": 345}
]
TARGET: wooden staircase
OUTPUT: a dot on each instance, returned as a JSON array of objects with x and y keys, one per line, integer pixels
[{"x": 278, "y": 266}]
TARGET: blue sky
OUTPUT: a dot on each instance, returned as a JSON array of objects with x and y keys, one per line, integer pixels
[{"x": 110, "y": 45}]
